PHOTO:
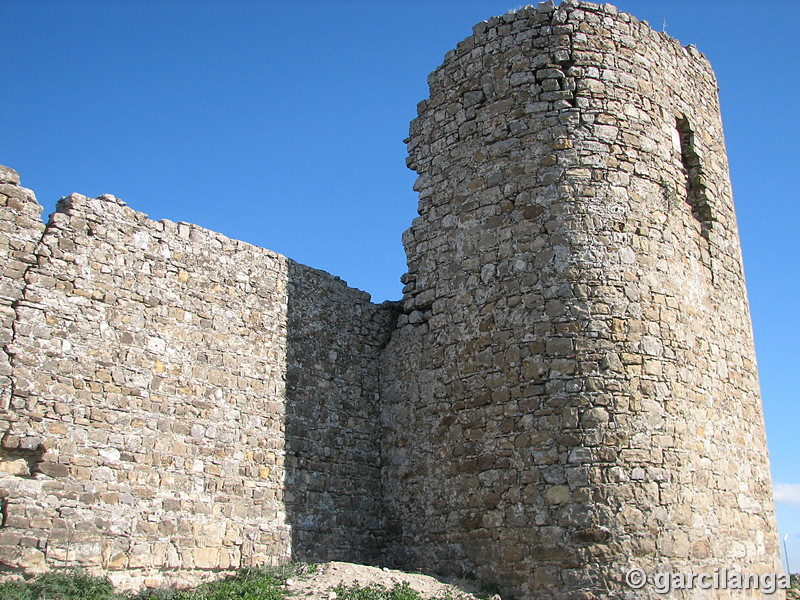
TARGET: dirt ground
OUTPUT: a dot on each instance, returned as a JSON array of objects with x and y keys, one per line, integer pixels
[{"x": 329, "y": 575}]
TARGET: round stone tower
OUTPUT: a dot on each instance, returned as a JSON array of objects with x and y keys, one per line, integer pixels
[{"x": 572, "y": 391}]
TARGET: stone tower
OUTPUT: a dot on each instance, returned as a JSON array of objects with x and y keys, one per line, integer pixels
[{"x": 572, "y": 391}]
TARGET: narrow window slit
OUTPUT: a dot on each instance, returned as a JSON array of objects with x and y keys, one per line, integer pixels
[{"x": 696, "y": 191}]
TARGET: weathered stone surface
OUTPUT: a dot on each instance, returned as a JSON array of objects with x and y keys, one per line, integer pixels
[
  {"x": 581, "y": 394},
  {"x": 8, "y": 175},
  {"x": 170, "y": 385},
  {"x": 569, "y": 388}
]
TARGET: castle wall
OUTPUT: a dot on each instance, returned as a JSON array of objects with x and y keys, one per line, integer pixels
[
  {"x": 333, "y": 427},
  {"x": 20, "y": 230},
  {"x": 168, "y": 384},
  {"x": 568, "y": 392},
  {"x": 572, "y": 391}
]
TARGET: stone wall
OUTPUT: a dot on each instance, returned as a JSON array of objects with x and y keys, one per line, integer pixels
[
  {"x": 572, "y": 391},
  {"x": 168, "y": 385},
  {"x": 333, "y": 429},
  {"x": 20, "y": 231},
  {"x": 569, "y": 389}
]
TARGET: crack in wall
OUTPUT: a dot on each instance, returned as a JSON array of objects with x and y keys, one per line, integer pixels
[
  {"x": 3, "y": 512},
  {"x": 15, "y": 306}
]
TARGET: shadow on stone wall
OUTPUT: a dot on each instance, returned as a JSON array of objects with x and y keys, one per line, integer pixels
[{"x": 333, "y": 466}]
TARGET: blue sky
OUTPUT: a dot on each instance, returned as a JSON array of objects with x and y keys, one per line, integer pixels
[{"x": 281, "y": 123}]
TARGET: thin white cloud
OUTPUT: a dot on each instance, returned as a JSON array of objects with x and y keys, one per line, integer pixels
[{"x": 787, "y": 493}]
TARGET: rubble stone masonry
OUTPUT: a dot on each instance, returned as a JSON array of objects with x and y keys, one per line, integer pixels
[
  {"x": 568, "y": 389},
  {"x": 180, "y": 401}
]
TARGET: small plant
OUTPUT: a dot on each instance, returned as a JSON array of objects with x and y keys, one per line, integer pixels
[
  {"x": 376, "y": 592},
  {"x": 14, "y": 590},
  {"x": 60, "y": 585},
  {"x": 253, "y": 584},
  {"x": 400, "y": 591},
  {"x": 155, "y": 594},
  {"x": 264, "y": 583}
]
